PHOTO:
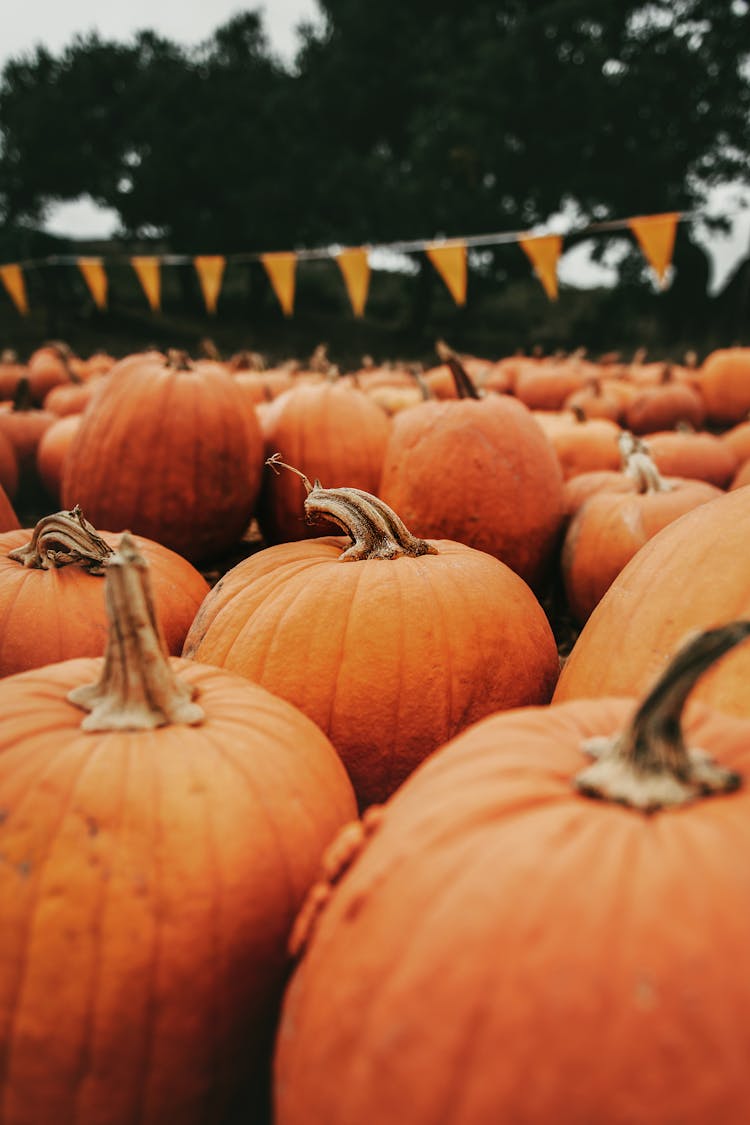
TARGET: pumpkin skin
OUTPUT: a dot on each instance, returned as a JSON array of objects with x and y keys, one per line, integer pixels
[
  {"x": 700, "y": 456},
  {"x": 149, "y": 882},
  {"x": 164, "y": 449},
  {"x": 466, "y": 967},
  {"x": 481, "y": 472},
  {"x": 691, "y": 575},
  {"x": 724, "y": 382},
  {"x": 58, "y": 614},
  {"x": 52, "y": 451},
  {"x": 390, "y": 657}
]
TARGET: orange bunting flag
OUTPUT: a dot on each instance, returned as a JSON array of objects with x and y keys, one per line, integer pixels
[
  {"x": 210, "y": 270},
  {"x": 450, "y": 262},
  {"x": 281, "y": 267},
  {"x": 656, "y": 234},
  {"x": 543, "y": 252},
  {"x": 355, "y": 267},
  {"x": 95, "y": 278},
  {"x": 12, "y": 279},
  {"x": 150, "y": 279}
]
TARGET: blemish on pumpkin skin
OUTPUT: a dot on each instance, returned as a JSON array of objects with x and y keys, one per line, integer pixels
[
  {"x": 24, "y": 868},
  {"x": 4, "y": 814}
]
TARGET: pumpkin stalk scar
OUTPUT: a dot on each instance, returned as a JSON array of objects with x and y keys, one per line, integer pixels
[
  {"x": 61, "y": 539},
  {"x": 138, "y": 689},
  {"x": 648, "y": 766},
  {"x": 375, "y": 530}
]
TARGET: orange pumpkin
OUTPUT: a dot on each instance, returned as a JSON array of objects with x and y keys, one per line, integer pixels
[
  {"x": 692, "y": 575},
  {"x": 52, "y": 452},
  {"x": 51, "y": 592},
  {"x": 724, "y": 382},
  {"x": 389, "y": 643},
  {"x": 328, "y": 430},
  {"x": 161, "y": 822},
  {"x": 495, "y": 946},
  {"x": 479, "y": 471},
  {"x": 168, "y": 450},
  {"x": 610, "y": 527}
]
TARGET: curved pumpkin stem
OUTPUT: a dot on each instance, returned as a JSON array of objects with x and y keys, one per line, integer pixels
[
  {"x": 61, "y": 539},
  {"x": 375, "y": 530},
  {"x": 138, "y": 689},
  {"x": 648, "y": 766}
]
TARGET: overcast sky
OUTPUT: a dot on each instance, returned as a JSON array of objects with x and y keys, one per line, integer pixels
[{"x": 54, "y": 23}]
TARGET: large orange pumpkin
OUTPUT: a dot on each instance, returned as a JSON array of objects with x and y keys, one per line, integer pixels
[
  {"x": 389, "y": 643},
  {"x": 502, "y": 948},
  {"x": 168, "y": 449},
  {"x": 154, "y": 854}
]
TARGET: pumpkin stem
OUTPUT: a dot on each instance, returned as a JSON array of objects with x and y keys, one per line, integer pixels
[
  {"x": 638, "y": 463},
  {"x": 138, "y": 689},
  {"x": 417, "y": 374},
  {"x": 274, "y": 462},
  {"x": 464, "y": 385},
  {"x": 22, "y": 399},
  {"x": 179, "y": 360},
  {"x": 648, "y": 766},
  {"x": 61, "y": 539},
  {"x": 375, "y": 530}
]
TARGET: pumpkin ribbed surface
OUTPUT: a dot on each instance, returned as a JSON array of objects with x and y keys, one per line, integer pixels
[
  {"x": 504, "y": 949},
  {"x": 390, "y": 657},
  {"x": 166, "y": 451}
]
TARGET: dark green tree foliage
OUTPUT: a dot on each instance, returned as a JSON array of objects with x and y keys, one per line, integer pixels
[
  {"x": 400, "y": 120},
  {"x": 479, "y": 116}
]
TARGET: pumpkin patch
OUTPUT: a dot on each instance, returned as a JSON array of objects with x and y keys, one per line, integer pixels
[{"x": 334, "y": 706}]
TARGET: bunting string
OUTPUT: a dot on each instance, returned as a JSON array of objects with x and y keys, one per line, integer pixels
[{"x": 655, "y": 235}]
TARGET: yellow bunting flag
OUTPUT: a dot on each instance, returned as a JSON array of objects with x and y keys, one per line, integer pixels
[
  {"x": 281, "y": 267},
  {"x": 656, "y": 234},
  {"x": 12, "y": 279},
  {"x": 450, "y": 262},
  {"x": 150, "y": 278},
  {"x": 96, "y": 279},
  {"x": 355, "y": 268},
  {"x": 210, "y": 270},
  {"x": 543, "y": 252}
]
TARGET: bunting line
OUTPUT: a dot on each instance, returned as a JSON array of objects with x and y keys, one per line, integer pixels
[{"x": 655, "y": 235}]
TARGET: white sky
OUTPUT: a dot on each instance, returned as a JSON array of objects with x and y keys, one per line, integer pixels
[{"x": 54, "y": 23}]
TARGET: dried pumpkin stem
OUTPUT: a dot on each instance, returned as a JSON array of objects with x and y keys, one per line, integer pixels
[
  {"x": 375, "y": 530},
  {"x": 464, "y": 384},
  {"x": 138, "y": 689},
  {"x": 644, "y": 472},
  {"x": 648, "y": 766},
  {"x": 61, "y": 539}
]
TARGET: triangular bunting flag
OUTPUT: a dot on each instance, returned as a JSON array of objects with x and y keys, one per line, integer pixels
[
  {"x": 210, "y": 270},
  {"x": 355, "y": 267},
  {"x": 12, "y": 279},
  {"x": 450, "y": 262},
  {"x": 150, "y": 279},
  {"x": 656, "y": 234},
  {"x": 543, "y": 252},
  {"x": 280, "y": 268},
  {"x": 96, "y": 279}
]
